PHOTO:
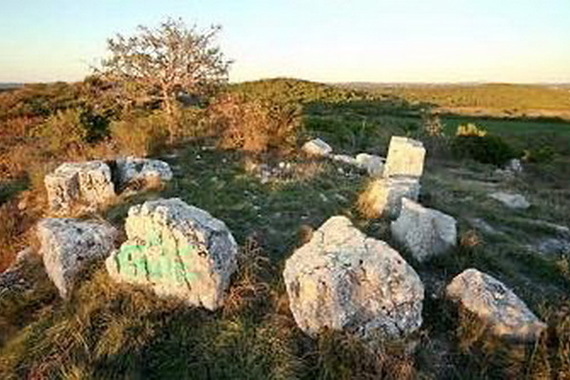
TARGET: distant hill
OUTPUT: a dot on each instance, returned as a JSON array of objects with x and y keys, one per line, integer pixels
[
  {"x": 481, "y": 99},
  {"x": 10, "y": 86}
]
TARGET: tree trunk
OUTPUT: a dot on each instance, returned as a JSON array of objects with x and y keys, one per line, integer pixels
[{"x": 169, "y": 108}]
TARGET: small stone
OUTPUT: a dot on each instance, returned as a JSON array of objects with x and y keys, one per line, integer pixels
[
  {"x": 424, "y": 231},
  {"x": 497, "y": 306},
  {"x": 374, "y": 165},
  {"x": 344, "y": 159},
  {"x": 317, "y": 147},
  {"x": 513, "y": 201}
]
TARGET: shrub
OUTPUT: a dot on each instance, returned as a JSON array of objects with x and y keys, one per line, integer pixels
[
  {"x": 470, "y": 129},
  {"x": 64, "y": 130},
  {"x": 193, "y": 122},
  {"x": 432, "y": 125},
  {"x": 474, "y": 142},
  {"x": 256, "y": 126},
  {"x": 140, "y": 135}
]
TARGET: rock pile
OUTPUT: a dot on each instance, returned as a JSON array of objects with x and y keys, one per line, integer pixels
[
  {"x": 505, "y": 314},
  {"x": 69, "y": 245},
  {"x": 88, "y": 186},
  {"x": 177, "y": 250},
  {"x": 343, "y": 280},
  {"x": 401, "y": 177},
  {"x": 423, "y": 231}
]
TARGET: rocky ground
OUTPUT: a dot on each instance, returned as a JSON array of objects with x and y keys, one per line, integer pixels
[{"x": 509, "y": 225}]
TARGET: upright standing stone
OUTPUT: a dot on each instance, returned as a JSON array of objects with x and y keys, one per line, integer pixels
[
  {"x": 68, "y": 245},
  {"x": 424, "y": 231},
  {"x": 79, "y": 185},
  {"x": 497, "y": 306},
  {"x": 177, "y": 250},
  {"x": 405, "y": 158},
  {"x": 343, "y": 280}
]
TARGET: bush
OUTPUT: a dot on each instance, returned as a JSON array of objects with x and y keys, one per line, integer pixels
[
  {"x": 474, "y": 142},
  {"x": 140, "y": 135},
  {"x": 64, "y": 130},
  {"x": 256, "y": 126}
]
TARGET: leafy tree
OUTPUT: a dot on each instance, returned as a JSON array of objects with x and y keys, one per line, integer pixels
[{"x": 159, "y": 64}]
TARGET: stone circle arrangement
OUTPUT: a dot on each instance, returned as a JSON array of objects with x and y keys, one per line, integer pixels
[{"x": 341, "y": 279}]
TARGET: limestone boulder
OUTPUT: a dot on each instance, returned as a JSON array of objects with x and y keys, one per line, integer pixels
[
  {"x": 343, "y": 280},
  {"x": 423, "y": 231},
  {"x": 67, "y": 246},
  {"x": 176, "y": 250},
  {"x": 134, "y": 173},
  {"x": 79, "y": 185},
  {"x": 317, "y": 147},
  {"x": 510, "y": 200},
  {"x": 505, "y": 314},
  {"x": 405, "y": 158},
  {"x": 373, "y": 165}
]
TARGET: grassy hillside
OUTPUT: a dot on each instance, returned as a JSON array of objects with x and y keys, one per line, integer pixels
[
  {"x": 503, "y": 100},
  {"x": 119, "y": 331}
]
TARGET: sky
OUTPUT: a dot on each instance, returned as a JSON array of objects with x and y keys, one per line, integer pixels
[{"x": 519, "y": 41}]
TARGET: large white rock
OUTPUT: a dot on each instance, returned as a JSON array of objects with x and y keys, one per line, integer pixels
[
  {"x": 343, "y": 280},
  {"x": 384, "y": 195},
  {"x": 424, "y": 231},
  {"x": 68, "y": 245},
  {"x": 405, "y": 158},
  {"x": 79, "y": 186},
  {"x": 374, "y": 165},
  {"x": 142, "y": 172},
  {"x": 505, "y": 314},
  {"x": 317, "y": 147},
  {"x": 176, "y": 250},
  {"x": 514, "y": 201}
]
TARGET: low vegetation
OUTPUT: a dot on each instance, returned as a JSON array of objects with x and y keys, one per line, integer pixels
[{"x": 118, "y": 331}]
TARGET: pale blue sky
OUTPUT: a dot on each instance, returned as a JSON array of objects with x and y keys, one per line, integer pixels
[{"x": 323, "y": 40}]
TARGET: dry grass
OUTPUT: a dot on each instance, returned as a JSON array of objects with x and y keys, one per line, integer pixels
[{"x": 370, "y": 201}]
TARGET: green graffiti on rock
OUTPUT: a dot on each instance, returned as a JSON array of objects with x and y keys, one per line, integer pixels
[{"x": 157, "y": 261}]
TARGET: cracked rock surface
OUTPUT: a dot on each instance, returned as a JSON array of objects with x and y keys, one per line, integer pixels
[
  {"x": 496, "y": 305},
  {"x": 85, "y": 185},
  {"x": 177, "y": 250},
  {"x": 343, "y": 280}
]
